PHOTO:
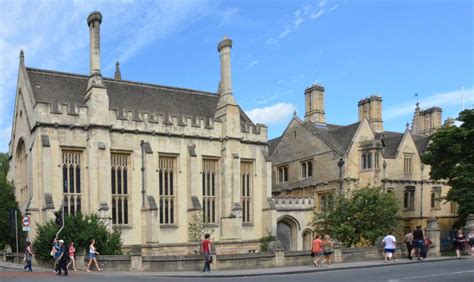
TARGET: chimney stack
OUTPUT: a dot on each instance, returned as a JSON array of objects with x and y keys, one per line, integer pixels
[
  {"x": 226, "y": 93},
  {"x": 93, "y": 21},
  {"x": 314, "y": 100},
  {"x": 371, "y": 109}
]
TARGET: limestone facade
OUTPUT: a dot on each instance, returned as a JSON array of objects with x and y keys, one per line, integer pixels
[
  {"x": 320, "y": 160},
  {"x": 148, "y": 159}
]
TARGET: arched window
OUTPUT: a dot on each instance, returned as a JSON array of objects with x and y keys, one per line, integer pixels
[{"x": 369, "y": 160}]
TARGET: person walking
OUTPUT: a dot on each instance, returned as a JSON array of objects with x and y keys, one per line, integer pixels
[
  {"x": 390, "y": 242},
  {"x": 459, "y": 243},
  {"x": 206, "y": 251},
  {"x": 62, "y": 259},
  {"x": 418, "y": 242},
  {"x": 72, "y": 257},
  {"x": 54, "y": 254},
  {"x": 328, "y": 250},
  {"x": 317, "y": 250},
  {"x": 470, "y": 240},
  {"x": 408, "y": 241},
  {"x": 92, "y": 256},
  {"x": 28, "y": 256}
]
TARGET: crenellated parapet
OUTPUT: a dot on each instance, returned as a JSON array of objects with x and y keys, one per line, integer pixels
[{"x": 293, "y": 203}]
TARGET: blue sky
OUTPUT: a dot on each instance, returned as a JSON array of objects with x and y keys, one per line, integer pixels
[{"x": 354, "y": 48}]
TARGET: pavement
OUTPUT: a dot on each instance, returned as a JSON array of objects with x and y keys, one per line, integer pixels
[{"x": 6, "y": 267}]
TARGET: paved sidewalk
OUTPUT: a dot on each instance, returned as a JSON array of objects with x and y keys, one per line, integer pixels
[{"x": 244, "y": 272}]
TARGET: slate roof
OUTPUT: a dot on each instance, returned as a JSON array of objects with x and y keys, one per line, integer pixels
[
  {"x": 340, "y": 138},
  {"x": 272, "y": 145},
  {"x": 64, "y": 88},
  {"x": 421, "y": 143}
]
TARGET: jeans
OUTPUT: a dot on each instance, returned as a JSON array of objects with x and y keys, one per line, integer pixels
[
  {"x": 28, "y": 265},
  {"x": 207, "y": 265}
]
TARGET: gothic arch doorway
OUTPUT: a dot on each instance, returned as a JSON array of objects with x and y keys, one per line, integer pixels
[{"x": 287, "y": 230}]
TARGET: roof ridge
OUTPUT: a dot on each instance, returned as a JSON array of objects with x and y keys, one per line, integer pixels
[{"x": 151, "y": 85}]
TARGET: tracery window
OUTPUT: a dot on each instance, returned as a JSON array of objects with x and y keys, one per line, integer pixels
[
  {"x": 246, "y": 191},
  {"x": 120, "y": 188},
  {"x": 283, "y": 174},
  {"x": 72, "y": 194},
  {"x": 306, "y": 169},
  {"x": 209, "y": 190},
  {"x": 167, "y": 189}
]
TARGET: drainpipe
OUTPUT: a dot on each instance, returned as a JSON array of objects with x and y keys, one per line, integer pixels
[
  {"x": 142, "y": 144},
  {"x": 340, "y": 164}
]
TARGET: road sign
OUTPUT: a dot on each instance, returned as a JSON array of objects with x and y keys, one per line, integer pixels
[
  {"x": 26, "y": 221},
  {"x": 26, "y": 228}
]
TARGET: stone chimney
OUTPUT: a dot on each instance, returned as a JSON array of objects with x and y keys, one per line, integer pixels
[
  {"x": 93, "y": 21},
  {"x": 226, "y": 93},
  {"x": 449, "y": 122},
  {"x": 314, "y": 101},
  {"x": 118, "y": 74},
  {"x": 426, "y": 122},
  {"x": 371, "y": 109}
]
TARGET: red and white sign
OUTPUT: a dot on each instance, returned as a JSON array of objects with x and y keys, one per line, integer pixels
[{"x": 26, "y": 221}]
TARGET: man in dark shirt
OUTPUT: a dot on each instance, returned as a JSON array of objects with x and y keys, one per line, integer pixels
[{"x": 418, "y": 242}]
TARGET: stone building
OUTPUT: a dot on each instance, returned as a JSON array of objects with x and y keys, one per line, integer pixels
[
  {"x": 146, "y": 158},
  {"x": 319, "y": 160}
]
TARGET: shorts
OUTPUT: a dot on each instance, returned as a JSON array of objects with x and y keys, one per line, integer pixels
[
  {"x": 389, "y": 250},
  {"x": 418, "y": 244},
  {"x": 71, "y": 257},
  {"x": 316, "y": 254},
  {"x": 326, "y": 254},
  {"x": 91, "y": 256}
]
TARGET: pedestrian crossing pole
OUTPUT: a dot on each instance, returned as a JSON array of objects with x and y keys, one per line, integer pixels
[{"x": 16, "y": 232}]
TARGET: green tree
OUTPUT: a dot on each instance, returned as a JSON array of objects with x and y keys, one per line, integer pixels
[
  {"x": 197, "y": 228},
  {"x": 451, "y": 157},
  {"x": 79, "y": 229},
  {"x": 361, "y": 217},
  {"x": 8, "y": 201}
]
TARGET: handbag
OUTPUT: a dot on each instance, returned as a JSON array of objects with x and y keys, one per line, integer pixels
[{"x": 211, "y": 259}]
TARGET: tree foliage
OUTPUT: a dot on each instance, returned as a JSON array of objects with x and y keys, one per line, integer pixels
[
  {"x": 197, "y": 228},
  {"x": 361, "y": 217},
  {"x": 451, "y": 157},
  {"x": 79, "y": 229},
  {"x": 8, "y": 201}
]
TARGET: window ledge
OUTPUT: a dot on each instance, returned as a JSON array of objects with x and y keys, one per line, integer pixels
[
  {"x": 435, "y": 209},
  {"x": 211, "y": 225},
  {"x": 123, "y": 226},
  {"x": 409, "y": 209},
  {"x": 168, "y": 226},
  {"x": 247, "y": 224}
]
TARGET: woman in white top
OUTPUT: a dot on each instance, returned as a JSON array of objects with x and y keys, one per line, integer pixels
[{"x": 92, "y": 258}]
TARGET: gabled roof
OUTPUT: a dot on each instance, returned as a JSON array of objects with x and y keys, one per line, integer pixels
[
  {"x": 64, "y": 88},
  {"x": 272, "y": 145}
]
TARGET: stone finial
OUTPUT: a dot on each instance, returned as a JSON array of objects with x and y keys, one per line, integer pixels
[
  {"x": 22, "y": 57},
  {"x": 407, "y": 125},
  {"x": 118, "y": 74},
  {"x": 94, "y": 16}
]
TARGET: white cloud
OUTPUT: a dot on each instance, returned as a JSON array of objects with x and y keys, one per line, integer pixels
[
  {"x": 253, "y": 63},
  {"x": 310, "y": 12},
  {"x": 272, "y": 114},
  {"x": 316, "y": 14},
  {"x": 441, "y": 100}
]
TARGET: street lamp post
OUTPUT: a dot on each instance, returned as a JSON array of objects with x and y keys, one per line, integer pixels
[
  {"x": 340, "y": 164},
  {"x": 421, "y": 194}
]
